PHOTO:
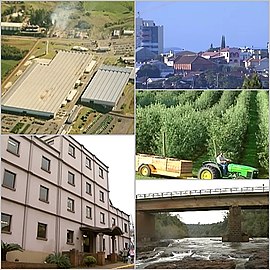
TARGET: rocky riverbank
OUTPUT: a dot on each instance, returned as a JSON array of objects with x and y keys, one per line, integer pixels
[
  {"x": 203, "y": 253},
  {"x": 259, "y": 260},
  {"x": 194, "y": 263},
  {"x": 150, "y": 246}
]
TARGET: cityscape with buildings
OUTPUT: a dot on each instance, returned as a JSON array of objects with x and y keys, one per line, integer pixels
[{"x": 222, "y": 65}]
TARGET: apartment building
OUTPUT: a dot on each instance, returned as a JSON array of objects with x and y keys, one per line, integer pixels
[
  {"x": 149, "y": 35},
  {"x": 55, "y": 198}
]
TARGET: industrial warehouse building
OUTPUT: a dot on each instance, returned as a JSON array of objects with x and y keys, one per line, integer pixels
[
  {"x": 55, "y": 198},
  {"x": 107, "y": 86},
  {"x": 42, "y": 88},
  {"x": 11, "y": 26}
]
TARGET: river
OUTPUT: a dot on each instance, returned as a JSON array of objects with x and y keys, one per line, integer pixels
[{"x": 204, "y": 249}]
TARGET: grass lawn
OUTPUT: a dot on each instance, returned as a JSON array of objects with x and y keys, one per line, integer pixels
[
  {"x": 7, "y": 66},
  {"x": 22, "y": 44},
  {"x": 118, "y": 8}
]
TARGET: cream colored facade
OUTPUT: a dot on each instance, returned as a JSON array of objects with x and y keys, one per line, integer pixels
[{"x": 64, "y": 205}]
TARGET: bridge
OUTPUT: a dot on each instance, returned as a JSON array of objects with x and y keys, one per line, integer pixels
[{"x": 232, "y": 199}]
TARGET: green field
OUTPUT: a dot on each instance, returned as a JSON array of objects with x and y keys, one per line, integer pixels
[
  {"x": 7, "y": 66},
  {"x": 116, "y": 7}
]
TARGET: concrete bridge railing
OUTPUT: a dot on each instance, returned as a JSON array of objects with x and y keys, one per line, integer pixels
[{"x": 203, "y": 192}]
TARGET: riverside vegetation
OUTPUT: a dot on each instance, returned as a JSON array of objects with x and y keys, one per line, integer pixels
[{"x": 254, "y": 222}]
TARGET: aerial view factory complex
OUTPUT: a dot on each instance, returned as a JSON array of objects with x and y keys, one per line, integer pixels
[{"x": 71, "y": 84}]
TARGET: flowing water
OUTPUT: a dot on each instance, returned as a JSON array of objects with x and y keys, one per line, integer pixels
[{"x": 207, "y": 249}]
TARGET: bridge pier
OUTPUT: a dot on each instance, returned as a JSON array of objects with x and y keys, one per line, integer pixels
[
  {"x": 145, "y": 226},
  {"x": 234, "y": 231}
]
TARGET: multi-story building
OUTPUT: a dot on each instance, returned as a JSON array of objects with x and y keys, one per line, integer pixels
[
  {"x": 149, "y": 35},
  {"x": 55, "y": 198},
  {"x": 187, "y": 63},
  {"x": 231, "y": 55}
]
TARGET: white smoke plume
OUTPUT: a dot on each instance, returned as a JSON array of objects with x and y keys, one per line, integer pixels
[{"x": 60, "y": 16}]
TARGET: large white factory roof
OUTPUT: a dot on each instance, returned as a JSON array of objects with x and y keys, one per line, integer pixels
[
  {"x": 42, "y": 88},
  {"x": 107, "y": 85}
]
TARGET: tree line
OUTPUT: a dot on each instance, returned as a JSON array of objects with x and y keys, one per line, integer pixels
[
  {"x": 254, "y": 222},
  {"x": 12, "y": 53}
]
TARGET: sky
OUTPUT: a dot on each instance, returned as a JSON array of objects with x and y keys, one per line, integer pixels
[
  {"x": 118, "y": 153},
  {"x": 195, "y": 25},
  {"x": 204, "y": 217}
]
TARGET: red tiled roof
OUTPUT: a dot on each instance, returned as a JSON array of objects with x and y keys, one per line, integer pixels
[
  {"x": 210, "y": 53},
  {"x": 185, "y": 59}
]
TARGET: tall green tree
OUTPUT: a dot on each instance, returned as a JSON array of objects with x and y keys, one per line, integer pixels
[
  {"x": 168, "y": 226},
  {"x": 223, "y": 44},
  {"x": 252, "y": 82}
]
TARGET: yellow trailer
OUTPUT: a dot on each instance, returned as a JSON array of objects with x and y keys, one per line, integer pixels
[{"x": 172, "y": 167}]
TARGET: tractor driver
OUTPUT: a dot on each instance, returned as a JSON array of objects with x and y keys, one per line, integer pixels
[{"x": 223, "y": 162}]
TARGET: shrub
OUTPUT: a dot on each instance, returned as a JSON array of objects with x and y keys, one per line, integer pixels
[
  {"x": 5, "y": 248},
  {"x": 62, "y": 261},
  {"x": 89, "y": 260}
]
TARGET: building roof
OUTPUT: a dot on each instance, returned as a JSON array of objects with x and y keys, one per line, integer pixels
[
  {"x": 227, "y": 49},
  {"x": 42, "y": 87},
  {"x": 189, "y": 59},
  {"x": 185, "y": 59},
  {"x": 178, "y": 55},
  {"x": 11, "y": 24},
  {"x": 144, "y": 54},
  {"x": 107, "y": 85},
  {"x": 211, "y": 54}
]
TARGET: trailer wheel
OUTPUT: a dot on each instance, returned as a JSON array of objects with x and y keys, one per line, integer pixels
[
  {"x": 145, "y": 170},
  {"x": 208, "y": 172}
]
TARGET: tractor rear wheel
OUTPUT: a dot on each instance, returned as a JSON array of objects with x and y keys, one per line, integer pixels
[
  {"x": 208, "y": 172},
  {"x": 145, "y": 170}
]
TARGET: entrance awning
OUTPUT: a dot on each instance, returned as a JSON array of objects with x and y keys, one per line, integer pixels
[{"x": 115, "y": 230}]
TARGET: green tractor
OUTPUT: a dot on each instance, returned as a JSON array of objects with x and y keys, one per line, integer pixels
[{"x": 213, "y": 170}]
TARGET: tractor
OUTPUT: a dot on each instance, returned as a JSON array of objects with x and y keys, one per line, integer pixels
[{"x": 213, "y": 170}]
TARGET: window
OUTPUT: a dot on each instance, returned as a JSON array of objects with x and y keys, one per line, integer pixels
[
  {"x": 71, "y": 150},
  {"x": 44, "y": 194},
  {"x": 42, "y": 231},
  {"x": 71, "y": 178},
  {"x": 88, "y": 212},
  {"x": 100, "y": 172},
  {"x": 88, "y": 188},
  {"x": 13, "y": 146},
  {"x": 101, "y": 196},
  {"x": 5, "y": 222},
  {"x": 104, "y": 244},
  {"x": 102, "y": 218},
  {"x": 125, "y": 227},
  {"x": 113, "y": 221},
  {"x": 70, "y": 205},
  {"x": 9, "y": 179},
  {"x": 70, "y": 236},
  {"x": 88, "y": 163},
  {"x": 45, "y": 164}
]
